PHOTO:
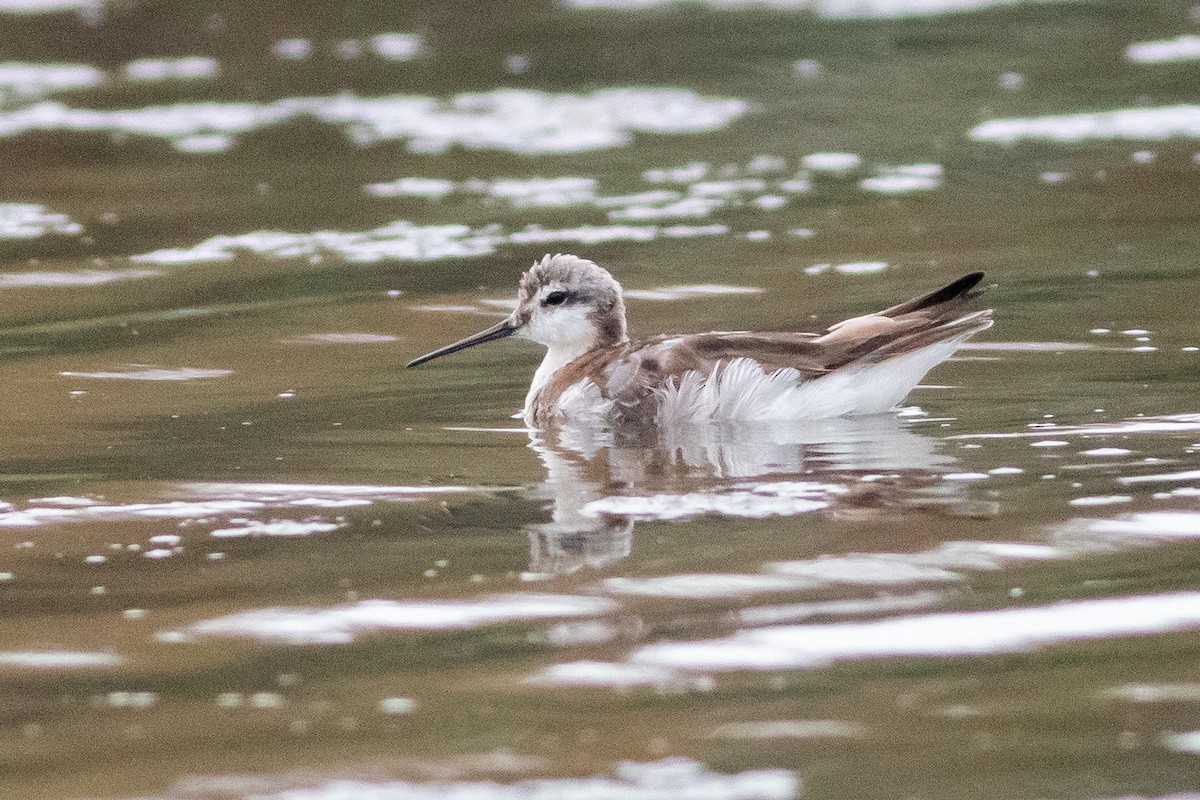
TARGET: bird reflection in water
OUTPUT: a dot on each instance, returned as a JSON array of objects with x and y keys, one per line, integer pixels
[{"x": 600, "y": 484}]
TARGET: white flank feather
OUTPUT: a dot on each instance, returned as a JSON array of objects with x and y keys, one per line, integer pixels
[
  {"x": 740, "y": 390},
  {"x": 583, "y": 403}
]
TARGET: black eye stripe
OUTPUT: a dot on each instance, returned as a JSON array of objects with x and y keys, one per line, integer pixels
[{"x": 555, "y": 299}]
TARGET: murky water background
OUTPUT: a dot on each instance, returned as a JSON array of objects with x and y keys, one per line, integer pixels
[{"x": 246, "y": 554}]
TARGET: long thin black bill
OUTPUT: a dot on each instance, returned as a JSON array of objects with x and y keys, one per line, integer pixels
[{"x": 497, "y": 331}]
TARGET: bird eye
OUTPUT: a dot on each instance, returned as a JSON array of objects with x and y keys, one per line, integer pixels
[{"x": 555, "y": 299}]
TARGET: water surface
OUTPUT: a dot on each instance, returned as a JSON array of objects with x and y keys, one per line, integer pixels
[{"x": 248, "y": 555}]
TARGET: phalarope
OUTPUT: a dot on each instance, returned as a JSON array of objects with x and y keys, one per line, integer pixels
[{"x": 592, "y": 372}]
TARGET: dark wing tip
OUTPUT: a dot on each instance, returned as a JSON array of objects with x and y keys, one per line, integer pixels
[
  {"x": 959, "y": 287},
  {"x": 958, "y": 290}
]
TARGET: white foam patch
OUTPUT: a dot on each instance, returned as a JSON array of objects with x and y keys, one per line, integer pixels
[
  {"x": 32, "y": 221},
  {"x": 1163, "y": 51},
  {"x": 604, "y": 233},
  {"x": 598, "y": 234},
  {"x": 187, "y": 68},
  {"x": 87, "y": 277},
  {"x": 341, "y": 624},
  {"x": 1130, "y": 124},
  {"x": 683, "y": 207},
  {"x": 57, "y": 659},
  {"x": 699, "y": 199},
  {"x": 674, "y": 778},
  {"x": 511, "y": 120},
  {"x": 558, "y": 192},
  {"x": 979, "y": 633},
  {"x": 689, "y": 173},
  {"x": 147, "y": 373},
  {"x": 277, "y": 527}
]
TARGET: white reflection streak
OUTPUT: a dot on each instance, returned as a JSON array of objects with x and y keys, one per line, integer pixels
[
  {"x": 342, "y": 624},
  {"x": 57, "y": 659},
  {"x": 278, "y": 527},
  {"x": 1181, "y": 48},
  {"x": 948, "y": 563},
  {"x": 24, "y": 78},
  {"x": 229, "y": 498},
  {"x": 176, "y": 509},
  {"x": 32, "y": 7},
  {"x": 935, "y": 635},
  {"x": 153, "y": 374},
  {"x": 829, "y": 9},
  {"x": 1167, "y": 424},
  {"x": 674, "y": 778},
  {"x": 1186, "y": 475},
  {"x": 271, "y": 492},
  {"x": 85, "y": 277},
  {"x": 1122, "y": 124}
]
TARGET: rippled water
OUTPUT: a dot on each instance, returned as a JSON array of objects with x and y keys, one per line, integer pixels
[{"x": 248, "y": 555}]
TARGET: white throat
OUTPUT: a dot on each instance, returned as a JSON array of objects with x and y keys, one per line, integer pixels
[{"x": 557, "y": 357}]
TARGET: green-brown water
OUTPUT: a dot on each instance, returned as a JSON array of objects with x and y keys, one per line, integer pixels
[{"x": 246, "y": 554}]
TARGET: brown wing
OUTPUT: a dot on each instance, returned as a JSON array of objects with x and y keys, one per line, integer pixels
[{"x": 629, "y": 373}]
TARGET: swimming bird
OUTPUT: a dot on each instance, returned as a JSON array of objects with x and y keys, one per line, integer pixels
[{"x": 592, "y": 372}]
